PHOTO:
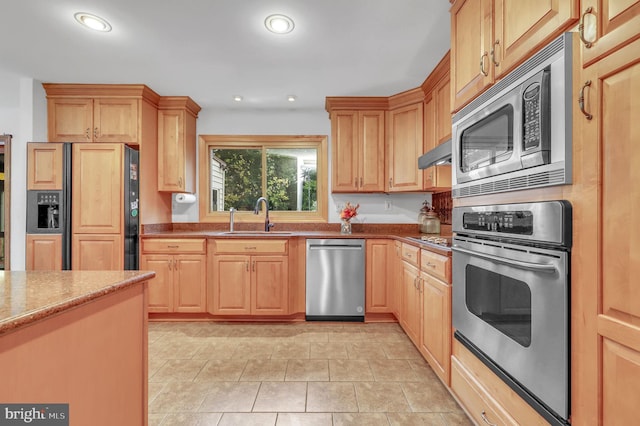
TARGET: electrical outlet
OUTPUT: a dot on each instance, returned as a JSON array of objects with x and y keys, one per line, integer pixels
[{"x": 387, "y": 205}]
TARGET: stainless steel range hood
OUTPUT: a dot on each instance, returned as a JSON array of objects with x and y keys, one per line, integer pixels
[{"x": 438, "y": 156}]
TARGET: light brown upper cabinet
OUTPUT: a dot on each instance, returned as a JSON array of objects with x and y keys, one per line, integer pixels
[
  {"x": 44, "y": 169},
  {"x": 607, "y": 25},
  {"x": 405, "y": 141},
  {"x": 491, "y": 37},
  {"x": 357, "y": 141},
  {"x": 96, "y": 113},
  {"x": 98, "y": 188},
  {"x": 177, "y": 144},
  {"x": 437, "y": 123}
]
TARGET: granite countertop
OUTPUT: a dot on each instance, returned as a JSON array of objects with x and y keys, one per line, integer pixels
[
  {"x": 401, "y": 235},
  {"x": 26, "y": 297}
]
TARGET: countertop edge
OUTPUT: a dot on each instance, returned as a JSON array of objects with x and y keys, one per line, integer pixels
[
  {"x": 46, "y": 311},
  {"x": 404, "y": 238}
]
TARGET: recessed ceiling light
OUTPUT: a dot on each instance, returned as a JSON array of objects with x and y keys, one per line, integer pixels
[
  {"x": 93, "y": 22},
  {"x": 279, "y": 24},
  {"x": 291, "y": 98},
  {"x": 237, "y": 98}
]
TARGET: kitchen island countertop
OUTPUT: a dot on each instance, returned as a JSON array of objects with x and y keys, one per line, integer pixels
[{"x": 26, "y": 297}]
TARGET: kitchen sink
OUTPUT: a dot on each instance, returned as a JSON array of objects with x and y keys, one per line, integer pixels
[{"x": 256, "y": 233}]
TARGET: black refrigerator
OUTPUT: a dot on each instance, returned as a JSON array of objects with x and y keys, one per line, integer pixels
[{"x": 49, "y": 210}]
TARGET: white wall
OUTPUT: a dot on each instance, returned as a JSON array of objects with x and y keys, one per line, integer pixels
[
  {"x": 374, "y": 208},
  {"x": 23, "y": 114}
]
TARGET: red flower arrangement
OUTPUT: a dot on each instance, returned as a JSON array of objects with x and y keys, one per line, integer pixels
[{"x": 349, "y": 211}]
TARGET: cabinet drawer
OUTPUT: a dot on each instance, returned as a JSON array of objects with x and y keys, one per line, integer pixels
[
  {"x": 436, "y": 265},
  {"x": 479, "y": 405},
  {"x": 411, "y": 254},
  {"x": 250, "y": 246},
  {"x": 173, "y": 245}
]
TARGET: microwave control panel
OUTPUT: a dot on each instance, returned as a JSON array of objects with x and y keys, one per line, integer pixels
[{"x": 519, "y": 222}]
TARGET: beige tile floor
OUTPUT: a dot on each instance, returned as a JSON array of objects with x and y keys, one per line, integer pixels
[{"x": 203, "y": 373}]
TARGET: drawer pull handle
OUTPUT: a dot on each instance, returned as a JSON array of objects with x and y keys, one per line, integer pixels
[
  {"x": 87, "y": 133},
  {"x": 484, "y": 419},
  {"x": 482, "y": 70},
  {"x": 586, "y": 42},
  {"x": 250, "y": 247},
  {"x": 173, "y": 246},
  {"x": 433, "y": 265},
  {"x": 581, "y": 100},
  {"x": 493, "y": 54}
]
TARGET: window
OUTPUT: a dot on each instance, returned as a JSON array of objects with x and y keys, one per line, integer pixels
[{"x": 290, "y": 171}]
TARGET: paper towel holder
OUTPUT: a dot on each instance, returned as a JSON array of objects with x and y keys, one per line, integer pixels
[{"x": 183, "y": 198}]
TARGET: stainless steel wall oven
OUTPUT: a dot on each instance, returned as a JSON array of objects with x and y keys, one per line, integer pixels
[{"x": 511, "y": 296}]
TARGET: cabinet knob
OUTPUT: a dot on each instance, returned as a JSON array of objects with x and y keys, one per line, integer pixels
[
  {"x": 86, "y": 133},
  {"x": 169, "y": 263},
  {"x": 95, "y": 133},
  {"x": 361, "y": 182}
]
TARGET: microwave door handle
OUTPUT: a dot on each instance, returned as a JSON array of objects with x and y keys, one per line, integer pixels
[{"x": 536, "y": 267}]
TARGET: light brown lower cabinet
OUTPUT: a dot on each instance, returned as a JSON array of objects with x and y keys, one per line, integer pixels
[
  {"x": 485, "y": 397},
  {"x": 410, "y": 317},
  {"x": 181, "y": 268},
  {"x": 44, "y": 252},
  {"x": 248, "y": 284},
  {"x": 435, "y": 341},
  {"x": 379, "y": 279}
]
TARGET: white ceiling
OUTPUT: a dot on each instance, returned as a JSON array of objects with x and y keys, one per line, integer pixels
[{"x": 214, "y": 49}]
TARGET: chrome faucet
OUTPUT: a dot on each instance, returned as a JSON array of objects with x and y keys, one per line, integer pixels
[
  {"x": 267, "y": 225},
  {"x": 231, "y": 212}
]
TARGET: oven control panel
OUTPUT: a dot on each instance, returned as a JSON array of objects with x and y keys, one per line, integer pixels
[{"x": 518, "y": 222}]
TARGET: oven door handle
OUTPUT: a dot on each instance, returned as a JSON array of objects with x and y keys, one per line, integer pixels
[{"x": 537, "y": 267}]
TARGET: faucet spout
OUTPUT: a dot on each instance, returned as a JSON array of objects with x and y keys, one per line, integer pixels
[
  {"x": 267, "y": 224},
  {"x": 231, "y": 214}
]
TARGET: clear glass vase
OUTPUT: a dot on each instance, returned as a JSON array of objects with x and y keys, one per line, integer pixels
[{"x": 345, "y": 227}]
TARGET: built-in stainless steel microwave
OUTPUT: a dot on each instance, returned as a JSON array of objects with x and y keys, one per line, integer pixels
[{"x": 517, "y": 135}]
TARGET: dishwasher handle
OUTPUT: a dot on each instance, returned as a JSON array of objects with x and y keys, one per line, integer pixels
[{"x": 334, "y": 247}]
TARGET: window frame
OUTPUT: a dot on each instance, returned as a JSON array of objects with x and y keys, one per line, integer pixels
[{"x": 319, "y": 142}]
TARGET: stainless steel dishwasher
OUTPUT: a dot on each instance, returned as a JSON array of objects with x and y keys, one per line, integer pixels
[{"x": 335, "y": 279}]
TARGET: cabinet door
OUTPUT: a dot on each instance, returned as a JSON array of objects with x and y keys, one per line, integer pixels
[
  {"x": 70, "y": 120},
  {"x": 44, "y": 252},
  {"x": 521, "y": 27},
  {"x": 115, "y": 120},
  {"x": 396, "y": 280},
  {"x": 44, "y": 166},
  {"x": 411, "y": 302},
  {"x": 171, "y": 151},
  {"x": 378, "y": 276},
  {"x": 405, "y": 146},
  {"x": 269, "y": 285},
  {"x": 471, "y": 41},
  {"x": 161, "y": 286},
  {"x": 190, "y": 272},
  {"x": 231, "y": 285},
  {"x": 436, "y": 325},
  {"x": 610, "y": 257},
  {"x": 98, "y": 188},
  {"x": 92, "y": 252},
  {"x": 609, "y": 25},
  {"x": 345, "y": 175},
  {"x": 371, "y": 157}
]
